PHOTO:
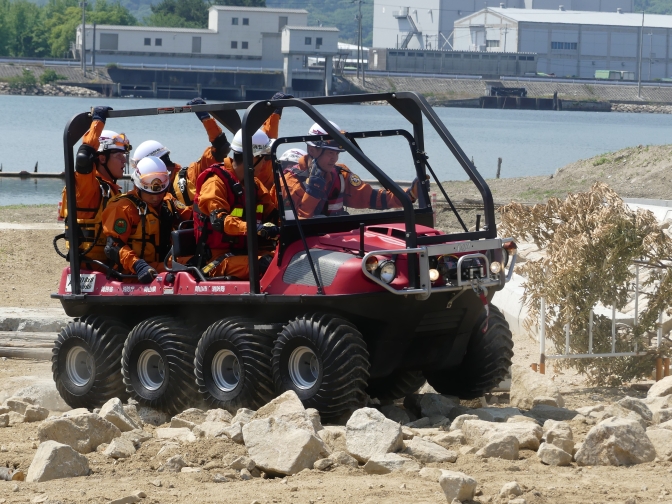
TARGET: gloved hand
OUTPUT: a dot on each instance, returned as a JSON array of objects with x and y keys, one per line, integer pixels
[
  {"x": 100, "y": 113},
  {"x": 268, "y": 230},
  {"x": 201, "y": 115},
  {"x": 146, "y": 274},
  {"x": 415, "y": 187},
  {"x": 220, "y": 147},
  {"x": 316, "y": 184},
  {"x": 280, "y": 96},
  {"x": 216, "y": 221}
]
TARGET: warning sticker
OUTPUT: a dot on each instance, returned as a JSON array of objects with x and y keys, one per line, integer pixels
[{"x": 87, "y": 282}]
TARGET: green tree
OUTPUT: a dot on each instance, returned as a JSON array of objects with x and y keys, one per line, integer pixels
[
  {"x": 24, "y": 26},
  {"x": 190, "y": 13},
  {"x": 4, "y": 27}
]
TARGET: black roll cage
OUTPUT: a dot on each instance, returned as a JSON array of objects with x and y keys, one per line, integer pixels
[{"x": 410, "y": 105}]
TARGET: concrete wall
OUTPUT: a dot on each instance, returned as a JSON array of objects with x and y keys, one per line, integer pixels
[{"x": 304, "y": 40}]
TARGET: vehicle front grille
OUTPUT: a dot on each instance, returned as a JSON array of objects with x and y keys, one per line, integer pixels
[{"x": 435, "y": 323}]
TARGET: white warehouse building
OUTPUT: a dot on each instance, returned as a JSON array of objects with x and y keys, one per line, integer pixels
[
  {"x": 573, "y": 43},
  {"x": 236, "y": 36},
  {"x": 428, "y": 24}
]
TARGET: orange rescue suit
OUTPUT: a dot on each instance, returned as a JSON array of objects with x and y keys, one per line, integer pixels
[
  {"x": 214, "y": 196},
  {"x": 93, "y": 191},
  {"x": 144, "y": 230},
  {"x": 343, "y": 187}
]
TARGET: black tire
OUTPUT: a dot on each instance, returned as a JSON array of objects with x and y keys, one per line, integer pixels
[
  {"x": 158, "y": 364},
  {"x": 485, "y": 364},
  {"x": 86, "y": 361},
  {"x": 242, "y": 376},
  {"x": 323, "y": 358},
  {"x": 395, "y": 386}
]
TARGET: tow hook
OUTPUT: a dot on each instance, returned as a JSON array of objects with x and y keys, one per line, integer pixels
[{"x": 482, "y": 292}]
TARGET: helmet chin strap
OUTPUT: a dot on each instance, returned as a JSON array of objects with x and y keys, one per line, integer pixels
[{"x": 104, "y": 165}]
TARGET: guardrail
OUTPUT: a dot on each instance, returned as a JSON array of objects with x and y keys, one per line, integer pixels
[
  {"x": 585, "y": 81},
  {"x": 378, "y": 73}
]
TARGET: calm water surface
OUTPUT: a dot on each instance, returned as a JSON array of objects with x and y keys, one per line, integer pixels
[{"x": 530, "y": 142}]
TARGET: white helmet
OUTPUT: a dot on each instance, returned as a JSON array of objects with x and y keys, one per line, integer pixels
[
  {"x": 259, "y": 143},
  {"x": 148, "y": 148},
  {"x": 316, "y": 129},
  {"x": 151, "y": 175},
  {"x": 291, "y": 157},
  {"x": 113, "y": 141}
]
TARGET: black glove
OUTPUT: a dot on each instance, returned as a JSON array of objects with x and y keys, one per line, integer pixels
[
  {"x": 216, "y": 221},
  {"x": 100, "y": 113},
  {"x": 201, "y": 115},
  {"x": 221, "y": 147},
  {"x": 146, "y": 274},
  {"x": 316, "y": 185},
  {"x": 268, "y": 230},
  {"x": 280, "y": 96}
]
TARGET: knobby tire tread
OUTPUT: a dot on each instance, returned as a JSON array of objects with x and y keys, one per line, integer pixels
[
  {"x": 104, "y": 337},
  {"x": 176, "y": 340},
  {"x": 254, "y": 355},
  {"x": 485, "y": 364},
  {"x": 396, "y": 386},
  {"x": 343, "y": 355}
]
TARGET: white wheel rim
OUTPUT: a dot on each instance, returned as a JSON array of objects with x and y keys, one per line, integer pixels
[
  {"x": 225, "y": 370},
  {"x": 151, "y": 369},
  {"x": 79, "y": 366},
  {"x": 304, "y": 367}
]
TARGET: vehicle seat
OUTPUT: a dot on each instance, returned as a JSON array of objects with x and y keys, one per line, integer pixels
[{"x": 184, "y": 241}]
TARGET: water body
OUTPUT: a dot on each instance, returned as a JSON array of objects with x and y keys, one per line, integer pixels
[{"x": 530, "y": 142}]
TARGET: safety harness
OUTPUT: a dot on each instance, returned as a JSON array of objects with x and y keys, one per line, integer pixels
[{"x": 335, "y": 194}]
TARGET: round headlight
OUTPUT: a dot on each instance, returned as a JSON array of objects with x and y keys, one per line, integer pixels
[
  {"x": 387, "y": 270},
  {"x": 371, "y": 264},
  {"x": 433, "y": 275},
  {"x": 495, "y": 267}
]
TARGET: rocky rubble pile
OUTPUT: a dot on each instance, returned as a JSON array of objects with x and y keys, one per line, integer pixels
[
  {"x": 637, "y": 108},
  {"x": 48, "y": 90},
  {"x": 283, "y": 438}
]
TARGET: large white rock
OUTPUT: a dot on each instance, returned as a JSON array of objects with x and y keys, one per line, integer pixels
[
  {"x": 661, "y": 388},
  {"x": 344, "y": 459},
  {"x": 616, "y": 441},
  {"x": 477, "y": 433},
  {"x": 450, "y": 439},
  {"x": 384, "y": 463},
  {"x": 665, "y": 425},
  {"x": 54, "y": 460},
  {"x": 189, "y": 418},
  {"x": 457, "y": 423},
  {"x": 368, "y": 432},
  {"x": 333, "y": 437},
  {"x": 113, "y": 412},
  {"x": 526, "y": 385},
  {"x": 662, "y": 442},
  {"x": 43, "y": 393},
  {"x": 243, "y": 415},
  {"x": 636, "y": 405},
  {"x": 218, "y": 415},
  {"x": 235, "y": 432},
  {"x": 289, "y": 408},
  {"x": 457, "y": 485},
  {"x": 559, "y": 434},
  {"x": 152, "y": 416},
  {"x": 17, "y": 405},
  {"x": 181, "y": 434},
  {"x": 119, "y": 448},
  {"x": 510, "y": 490},
  {"x": 497, "y": 414},
  {"x": 427, "y": 452},
  {"x": 662, "y": 416},
  {"x": 35, "y": 414},
  {"x": 279, "y": 447},
  {"x": 551, "y": 454},
  {"x": 83, "y": 432},
  {"x": 432, "y": 405},
  {"x": 211, "y": 429},
  {"x": 504, "y": 446}
]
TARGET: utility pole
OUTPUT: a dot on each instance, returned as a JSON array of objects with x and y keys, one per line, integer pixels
[
  {"x": 360, "y": 52},
  {"x": 641, "y": 43},
  {"x": 93, "y": 50},
  {"x": 650, "y": 51},
  {"x": 83, "y": 6}
]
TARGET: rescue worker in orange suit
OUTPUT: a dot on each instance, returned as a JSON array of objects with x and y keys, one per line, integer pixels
[
  {"x": 138, "y": 224},
  {"x": 99, "y": 162},
  {"x": 220, "y": 225},
  {"x": 319, "y": 186},
  {"x": 183, "y": 180},
  {"x": 263, "y": 169}
]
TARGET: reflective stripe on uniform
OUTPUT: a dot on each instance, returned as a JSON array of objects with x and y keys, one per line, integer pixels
[
  {"x": 237, "y": 212},
  {"x": 260, "y": 209}
]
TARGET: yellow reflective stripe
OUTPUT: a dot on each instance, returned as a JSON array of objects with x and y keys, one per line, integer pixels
[
  {"x": 237, "y": 212},
  {"x": 260, "y": 208}
]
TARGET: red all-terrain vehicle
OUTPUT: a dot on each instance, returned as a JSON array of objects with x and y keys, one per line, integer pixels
[{"x": 367, "y": 302}]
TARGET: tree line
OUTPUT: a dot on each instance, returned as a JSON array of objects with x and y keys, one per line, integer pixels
[{"x": 30, "y": 30}]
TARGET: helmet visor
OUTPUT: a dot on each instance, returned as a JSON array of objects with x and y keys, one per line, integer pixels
[
  {"x": 119, "y": 143},
  {"x": 327, "y": 144},
  {"x": 156, "y": 182}
]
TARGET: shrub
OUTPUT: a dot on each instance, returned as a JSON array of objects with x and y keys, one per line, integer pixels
[
  {"x": 591, "y": 240},
  {"x": 600, "y": 161},
  {"x": 26, "y": 79},
  {"x": 50, "y": 76}
]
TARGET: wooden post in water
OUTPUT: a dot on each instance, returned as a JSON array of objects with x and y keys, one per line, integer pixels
[
  {"x": 666, "y": 366},
  {"x": 659, "y": 368},
  {"x": 499, "y": 166}
]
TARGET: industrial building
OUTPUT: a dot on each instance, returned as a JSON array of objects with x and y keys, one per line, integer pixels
[
  {"x": 237, "y": 38},
  {"x": 488, "y": 64},
  {"x": 573, "y": 43},
  {"x": 428, "y": 24}
]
